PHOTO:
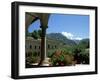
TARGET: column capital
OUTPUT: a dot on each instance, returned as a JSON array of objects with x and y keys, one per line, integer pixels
[{"x": 43, "y": 27}]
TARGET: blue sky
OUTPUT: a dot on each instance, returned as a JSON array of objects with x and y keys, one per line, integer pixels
[{"x": 71, "y": 26}]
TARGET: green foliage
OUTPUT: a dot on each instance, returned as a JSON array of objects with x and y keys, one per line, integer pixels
[
  {"x": 28, "y": 34},
  {"x": 50, "y": 53},
  {"x": 85, "y": 56},
  {"x": 40, "y": 33},
  {"x": 77, "y": 50},
  {"x": 58, "y": 60},
  {"x": 62, "y": 58},
  {"x": 84, "y": 43},
  {"x": 81, "y": 55},
  {"x": 36, "y": 34},
  {"x": 34, "y": 54},
  {"x": 32, "y": 57},
  {"x": 67, "y": 49}
]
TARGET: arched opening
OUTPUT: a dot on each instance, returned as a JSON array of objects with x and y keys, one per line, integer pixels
[{"x": 36, "y": 24}]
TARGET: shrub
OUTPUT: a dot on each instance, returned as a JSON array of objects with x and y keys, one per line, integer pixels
[
  {"x": 85, "y": 56},
  {"x": 61, "y": 58},
  {"x": 32, "y": 57},
  {"x": 50, "y": 53}
]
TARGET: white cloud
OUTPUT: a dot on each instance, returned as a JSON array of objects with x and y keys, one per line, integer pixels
[{"x": 70, "y": 36}]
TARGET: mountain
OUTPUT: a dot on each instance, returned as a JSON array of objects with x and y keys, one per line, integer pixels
[
  {"x": 77, "y": 41},
  {"x": 61, "y": 38},
  {"x": 84, "y": 43}
]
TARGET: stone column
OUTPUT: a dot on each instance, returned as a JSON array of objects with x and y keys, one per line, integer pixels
[{"x": 43, "y": 61}]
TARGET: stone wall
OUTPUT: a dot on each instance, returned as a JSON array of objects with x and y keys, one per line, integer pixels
[{"x": 33, "y": 45}]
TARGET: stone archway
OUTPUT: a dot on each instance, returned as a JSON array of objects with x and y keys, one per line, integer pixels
[{"x": 30, "y": 18}]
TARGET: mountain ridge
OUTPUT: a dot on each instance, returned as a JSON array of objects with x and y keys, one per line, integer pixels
[{"x": 60, "y": 37}]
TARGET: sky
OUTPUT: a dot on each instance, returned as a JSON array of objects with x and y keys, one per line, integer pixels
[{"x": 72, "y": 26}]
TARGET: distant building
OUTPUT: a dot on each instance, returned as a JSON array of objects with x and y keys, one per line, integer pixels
[{"x": 33, "y": 45}]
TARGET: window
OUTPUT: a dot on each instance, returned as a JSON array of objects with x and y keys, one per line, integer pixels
[
  {"x": 48, "y": 46},
  {"x": 55, "y": 46},
  {"x": 39, "y": 47},
  {"x": 35, "y": 47},
  {"x": 30, "y": 46}
]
